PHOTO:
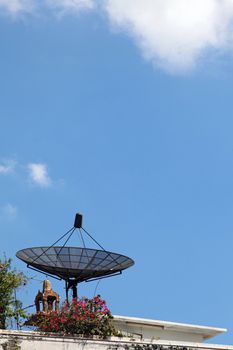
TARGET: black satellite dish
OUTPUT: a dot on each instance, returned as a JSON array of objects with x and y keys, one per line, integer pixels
[{"x": 74, "y": 264}]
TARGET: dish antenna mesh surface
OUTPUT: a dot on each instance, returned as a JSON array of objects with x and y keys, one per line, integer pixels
[{"x": 74, "y": 264}]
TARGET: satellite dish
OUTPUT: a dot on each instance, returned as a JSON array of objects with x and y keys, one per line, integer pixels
[{"x": 74, "y": 264}]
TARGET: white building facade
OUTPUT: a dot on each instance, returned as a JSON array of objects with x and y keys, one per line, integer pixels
[{"x": 137, "y": 334}]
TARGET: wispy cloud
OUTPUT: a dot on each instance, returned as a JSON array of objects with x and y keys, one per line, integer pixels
[
  {"x": 17, "y": 7},
  {"x": 38, "y": 174},
  {"x": 69, "y": 6},
  {"x": 8, "y": 211},
  {"x": 7, "y": 166}
]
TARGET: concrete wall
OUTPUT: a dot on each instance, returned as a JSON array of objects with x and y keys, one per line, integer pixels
[{"x": 21, "y": 340}]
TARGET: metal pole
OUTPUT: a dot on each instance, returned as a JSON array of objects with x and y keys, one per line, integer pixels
[
  {"x": 75, "y": 291},
  {"x": 16, "y": 311},
  {"x": 67, "y": 294}
]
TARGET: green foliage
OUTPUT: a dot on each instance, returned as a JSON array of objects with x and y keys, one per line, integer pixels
[{"x": 10, "y": 281}]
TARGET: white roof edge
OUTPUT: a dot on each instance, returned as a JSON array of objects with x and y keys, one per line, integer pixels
[{"x": 206, "y": 331}]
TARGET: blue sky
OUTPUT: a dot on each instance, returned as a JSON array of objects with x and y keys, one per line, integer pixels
[{"x": 108, "y": 111}]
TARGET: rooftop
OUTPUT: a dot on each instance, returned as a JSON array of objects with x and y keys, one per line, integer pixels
[{"x": 162, "y": 330}]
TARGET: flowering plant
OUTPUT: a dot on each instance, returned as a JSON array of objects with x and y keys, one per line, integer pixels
[{"x": 85, "y": 316}]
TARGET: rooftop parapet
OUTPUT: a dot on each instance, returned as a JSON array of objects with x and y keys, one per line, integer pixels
[{"x": 23, "y": 340}]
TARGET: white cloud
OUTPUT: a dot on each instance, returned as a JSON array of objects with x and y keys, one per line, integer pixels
[
  {"x": 69, "y": 6},
  {"x": 175, "y": 34},
  {"x": 39, "y": 174},
  {"x": 7, "y": 167},
  {"x": 8, "y": 211},
  {"x": 16, "y": 7}
]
